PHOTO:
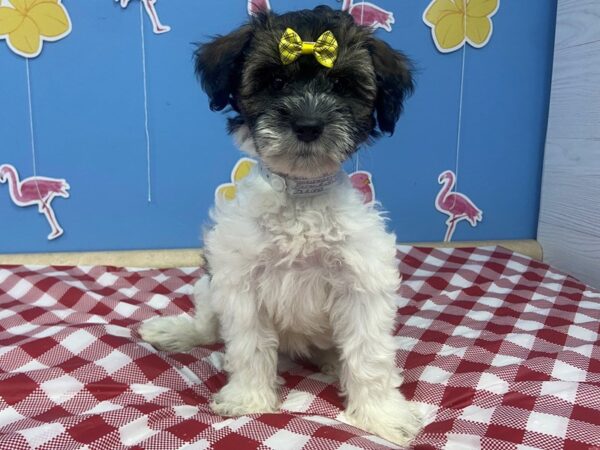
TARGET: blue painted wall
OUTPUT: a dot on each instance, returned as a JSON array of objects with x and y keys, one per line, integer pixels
[{"x": 89, "y": 127}]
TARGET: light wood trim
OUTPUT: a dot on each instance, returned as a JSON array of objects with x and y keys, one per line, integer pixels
[
  {"x": 193, "y": 257},
  {"x": 531, "y": 248},
  {"x": 134, "y": 258}
]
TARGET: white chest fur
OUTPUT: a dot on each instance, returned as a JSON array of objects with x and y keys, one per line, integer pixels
[{"x": 297, "y": 256}]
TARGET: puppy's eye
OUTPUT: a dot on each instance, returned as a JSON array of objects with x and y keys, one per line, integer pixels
[
  {"x": 341, "y": 84},
  {"x": 278, "y": 83}
]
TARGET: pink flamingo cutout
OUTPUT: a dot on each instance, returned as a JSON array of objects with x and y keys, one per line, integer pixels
[
  {"x": 157, "y": 27},
  {"x": 364, "y": 13},
  {"x": 38, "y": 191},
  {"x": 362, "y": 181},
  {"x": 456, "y": 205},
  {"x": 370, "y": 15},
  {"x": 257, "y": 6}
]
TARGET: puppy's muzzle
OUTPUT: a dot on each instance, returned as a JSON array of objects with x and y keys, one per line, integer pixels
[{"x": 308, "y": 129}]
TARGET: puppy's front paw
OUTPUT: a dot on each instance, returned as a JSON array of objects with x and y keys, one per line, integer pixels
[
  {"x": 393, "y": 418},
  {"x": 235, "y": 400}
]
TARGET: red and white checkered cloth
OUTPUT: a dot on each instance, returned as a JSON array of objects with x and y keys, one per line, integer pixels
[{"x": 501, "y": 351}]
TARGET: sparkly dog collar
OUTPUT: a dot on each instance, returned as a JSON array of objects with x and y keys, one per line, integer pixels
[{"x": 300, "y": 187}]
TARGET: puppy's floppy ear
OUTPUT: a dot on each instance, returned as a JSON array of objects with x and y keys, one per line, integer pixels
[
  {"x": 219, "y": 66},
  {"x": 394, "y": 83}
]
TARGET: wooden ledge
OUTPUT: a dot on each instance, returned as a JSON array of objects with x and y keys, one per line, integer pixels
[
  {"x": 193, "y": 257},
  {"x": 134, "y": 258}
]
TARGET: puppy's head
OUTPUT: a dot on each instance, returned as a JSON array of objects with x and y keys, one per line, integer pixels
[{"x": 303, "y": 118}]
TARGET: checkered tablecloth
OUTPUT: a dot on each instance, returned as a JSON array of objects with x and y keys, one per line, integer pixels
[{"x": 501, "y": 352}]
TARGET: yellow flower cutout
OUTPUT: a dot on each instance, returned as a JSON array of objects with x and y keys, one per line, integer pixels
[
  {"x": 26, "y": 24},
  {"x": 454, "y": 22},
  {"x": 240, "y": 171}
]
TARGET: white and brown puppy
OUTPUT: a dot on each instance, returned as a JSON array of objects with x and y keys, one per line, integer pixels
[{"x": 298, "y": 263}]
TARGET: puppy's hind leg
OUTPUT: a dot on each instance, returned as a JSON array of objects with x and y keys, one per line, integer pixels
[
  {"x": 328, "y": 361},
  {"x": 182, "y": 333}
]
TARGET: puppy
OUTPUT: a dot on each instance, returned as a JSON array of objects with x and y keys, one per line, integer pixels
[{"x": 297, "y": 262}]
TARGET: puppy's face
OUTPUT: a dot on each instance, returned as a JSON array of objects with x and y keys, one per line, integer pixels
[{"x": 304, "y": 119}]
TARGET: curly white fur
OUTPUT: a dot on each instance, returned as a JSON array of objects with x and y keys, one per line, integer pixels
[{"x": 307, "y": 276}]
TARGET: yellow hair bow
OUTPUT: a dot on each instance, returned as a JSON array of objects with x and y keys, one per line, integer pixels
[{"x": 325, "y": 48}]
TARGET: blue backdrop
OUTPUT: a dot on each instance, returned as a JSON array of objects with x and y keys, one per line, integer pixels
[{"x": 89, "y": 126}]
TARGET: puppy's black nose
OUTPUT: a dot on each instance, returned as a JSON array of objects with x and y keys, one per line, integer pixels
[{"x": 308, "y": 129}]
